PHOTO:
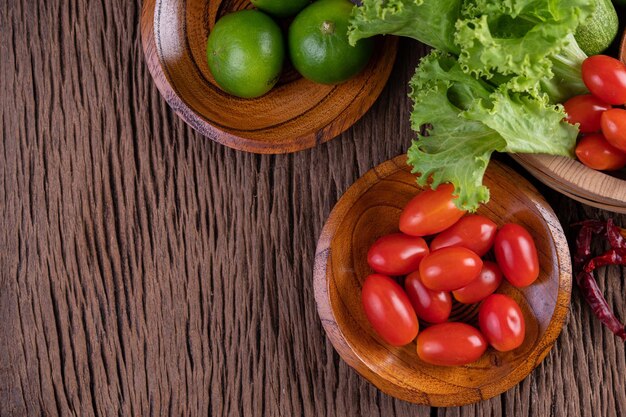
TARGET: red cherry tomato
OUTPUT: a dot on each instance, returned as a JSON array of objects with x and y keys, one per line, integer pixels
[
  {"x": 597, "y": 153},
  {"x": 487, "y": 283},
  {"x": 430, "y": 212},
  {"x": 605, "y": 77},
  {"x": 614, "y": 128},
  {"x": 430, "y": 306},
  {"x": 397, "y": 254},
  {"x": 473, "y": 232},
  {"x": 389, "y": 310},
  {"x": 516, "y": 255},
  {"x": 450, "y": 344},
  {"x": 586, "y": 110},
  {"x": 449, "y": 269},
  {"x": 502, "y": 322}
]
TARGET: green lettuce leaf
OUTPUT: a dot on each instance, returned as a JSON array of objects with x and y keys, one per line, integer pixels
[
  {"x": 528, "y": 124},
  {"x": 429, "y": 21},
  {"x": 491, "y": 84},
  {"x": 459, "y": 156},
  {"x": 455, "y": 149},
  {"x": 517, "y": 38},
  {"x": 466, "y": 119},
  {"x": 567, "y": 80}
]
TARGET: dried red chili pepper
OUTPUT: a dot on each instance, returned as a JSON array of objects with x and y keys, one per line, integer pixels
[
  {"x": 584, "y": 262},
  {"x": 614, "y": 235},
  {"x": 598, "y": 303},
  {"x": 583, "y": 241},
  {"x": 610, "y": 257}
]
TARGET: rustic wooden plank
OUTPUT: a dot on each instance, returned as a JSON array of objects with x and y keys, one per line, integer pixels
[{"x": 145, "y": 270}]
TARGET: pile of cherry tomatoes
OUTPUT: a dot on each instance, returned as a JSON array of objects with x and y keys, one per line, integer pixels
[
  {"x": 452, "y": 267},
  {"x": 603, "y": 144}
]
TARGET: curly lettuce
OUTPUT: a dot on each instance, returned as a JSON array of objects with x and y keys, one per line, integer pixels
[
  {"x": 521, "y": 39},
  {"x": 455, "y": 150},
  {"x": 466, "y": 119},
  {"x": 491, "y": 85},
  {"x": 430, "y": 22}
]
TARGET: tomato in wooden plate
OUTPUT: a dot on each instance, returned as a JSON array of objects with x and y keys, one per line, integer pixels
[
  {"x": 450, "y": 344},
  {"x": 516, "y": 255},
  {"x": 586, "y": 110},
  {"x": 430, "y": 212},
  {"x": 389, "y": 310},
  {"x": 614, "y": 128},
  {"x": 597, "y": 153},
  {"x": 430, "y": 306},
  {"x": 449, "y": 269},
  {"x": 487, "y": 283},
  {"x": 397, "y": 254},
  {"x": 502, "y": 323},
  {"x": 473, "y": 232},
  {"x": 605, "y": 77}
]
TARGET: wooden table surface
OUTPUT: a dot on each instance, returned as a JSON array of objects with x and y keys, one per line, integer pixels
[{"x": 147, "y": 271}]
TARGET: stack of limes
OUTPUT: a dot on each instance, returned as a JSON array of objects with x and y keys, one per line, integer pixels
[{"x": 246, "y": 49}]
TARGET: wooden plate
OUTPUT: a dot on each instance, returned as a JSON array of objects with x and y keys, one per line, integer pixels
[
  {"x": 295, "y": 115},
  {"x": 599, "y": 189},
  {"x": 371, "y": 208}
]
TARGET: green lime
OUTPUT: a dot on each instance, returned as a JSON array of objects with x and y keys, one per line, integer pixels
[
  {"x": 318, "y": 43},
  {"x": 245, "y": 53},
  {"x": 281, "y": 8}
]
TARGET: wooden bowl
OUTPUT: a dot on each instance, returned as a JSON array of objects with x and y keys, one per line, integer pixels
[
  {"x": 297, "y": 114},
  {"x": 370, "y": 208},
  {"x": 605, "y": 190}
]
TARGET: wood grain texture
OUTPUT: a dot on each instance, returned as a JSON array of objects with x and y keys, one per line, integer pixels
[
  {"x": 296, "y": 114},
  {"x": 147, "y": 271},
  {"x": 600, "y": 189},
  {"x": 561, "y": 184},
  {"x": 370, "y": 209},
  {"x": 605, "y": 190}
]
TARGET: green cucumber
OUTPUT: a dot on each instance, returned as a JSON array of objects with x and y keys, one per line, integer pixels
[{"x": 596, "y": 33}]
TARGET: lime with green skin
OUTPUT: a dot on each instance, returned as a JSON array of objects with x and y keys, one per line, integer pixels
[
  {"x": 318, "y": 43},
  {"x": 281, "y": 8},
  {"x": 245, "y": 52}
]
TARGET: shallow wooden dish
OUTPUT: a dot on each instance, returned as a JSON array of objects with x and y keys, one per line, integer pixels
[
  {"x": 568, "y": 176},
  {"x": 371, "y": 208},
  {"x": 297, "y": 114}
]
